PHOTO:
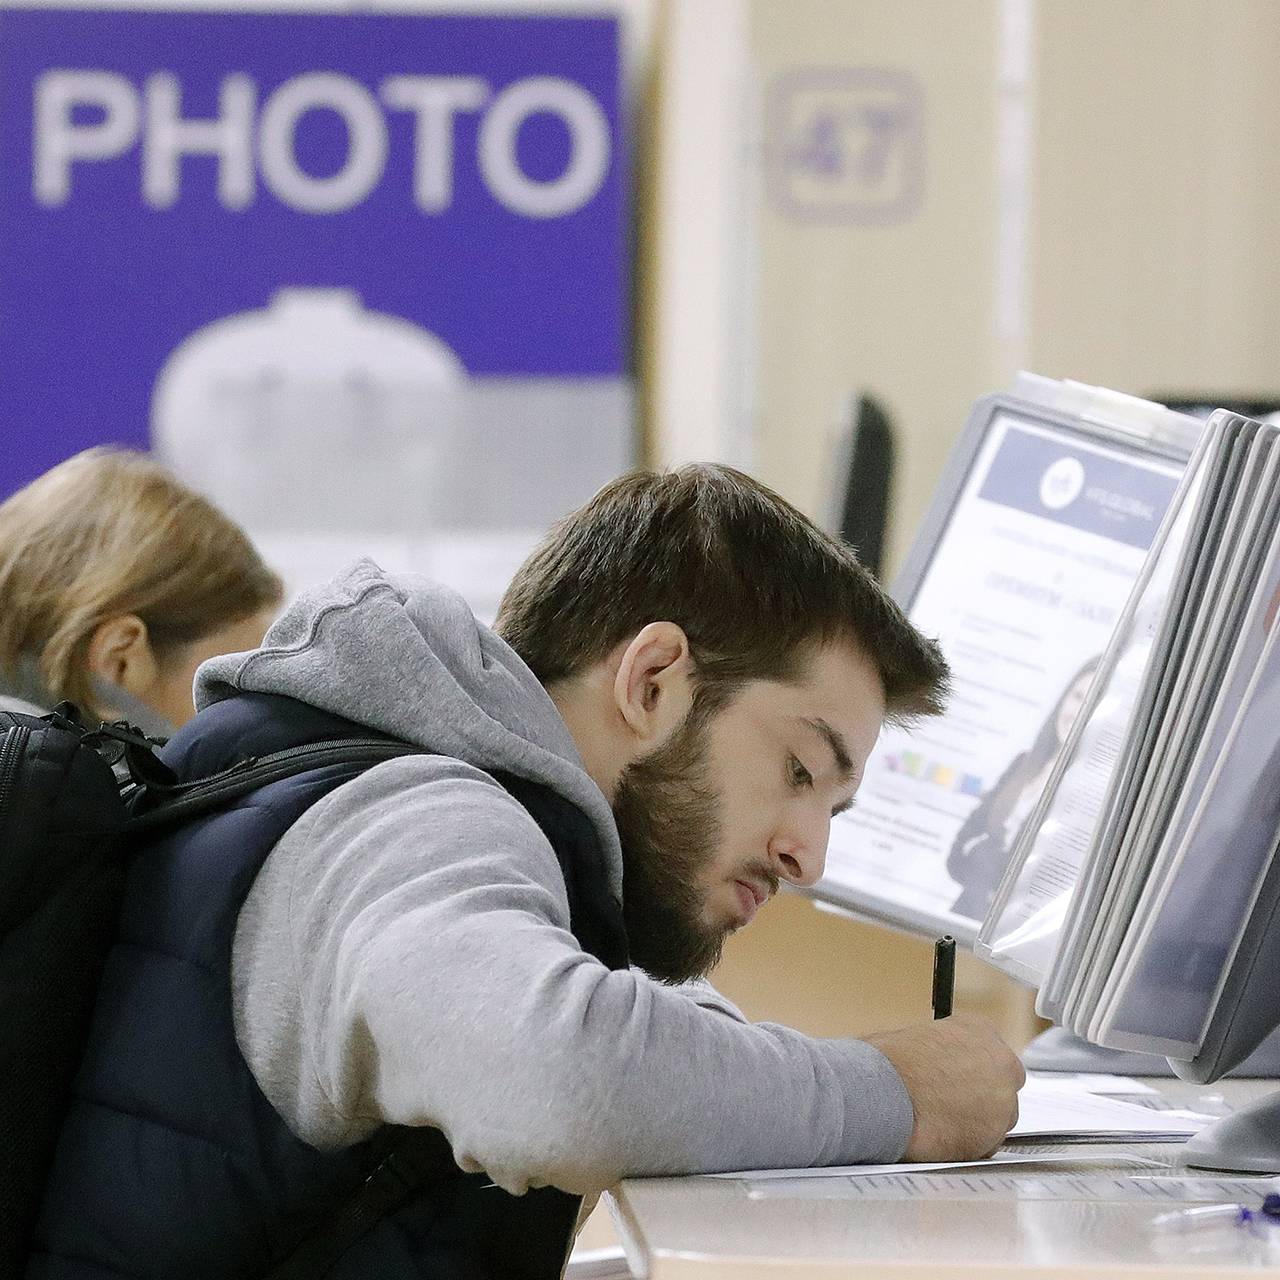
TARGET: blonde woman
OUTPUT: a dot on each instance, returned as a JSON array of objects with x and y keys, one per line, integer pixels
[{"x": 116, "y": 582}]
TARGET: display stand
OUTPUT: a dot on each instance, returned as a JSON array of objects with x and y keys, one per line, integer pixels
[{"x": 1061, "y": 1050}]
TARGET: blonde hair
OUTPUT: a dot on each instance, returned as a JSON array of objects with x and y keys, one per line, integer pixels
[{"x": 108, "y": 533}]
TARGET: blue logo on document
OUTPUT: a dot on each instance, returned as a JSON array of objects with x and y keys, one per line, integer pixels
[
  {"x": 1061, "y": 483},
  {"x": 1117, "y": 497}
]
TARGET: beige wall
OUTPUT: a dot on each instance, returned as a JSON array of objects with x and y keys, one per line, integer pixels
[
  {"x": 901, "y": 308},
  {"x": 1156, "y": 225}
]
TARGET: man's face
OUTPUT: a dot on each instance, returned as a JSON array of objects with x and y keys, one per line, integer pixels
[{"x": 735, "y": 803}]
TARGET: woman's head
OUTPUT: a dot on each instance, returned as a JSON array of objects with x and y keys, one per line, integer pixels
[
  {"x": 1053, "y": 733},
  {"x": 112, "y": 570}
]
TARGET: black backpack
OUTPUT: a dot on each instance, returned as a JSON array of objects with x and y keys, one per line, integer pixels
[{"x": 68, "y": 825}]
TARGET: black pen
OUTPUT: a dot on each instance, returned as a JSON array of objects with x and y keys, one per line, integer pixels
[{"x": 944, "y": 975}]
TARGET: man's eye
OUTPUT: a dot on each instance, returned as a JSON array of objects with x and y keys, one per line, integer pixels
[{"x": 799, "y": 775}]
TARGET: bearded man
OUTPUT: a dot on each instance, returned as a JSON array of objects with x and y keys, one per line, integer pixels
[{"x": 468, "y": 970}]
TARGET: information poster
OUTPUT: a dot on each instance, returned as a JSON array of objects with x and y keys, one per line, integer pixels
[
  {"x": 1025, "y": 587},
  {"x": 362, "y": 277}
]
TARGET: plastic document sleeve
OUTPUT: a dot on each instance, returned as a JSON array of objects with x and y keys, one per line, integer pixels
[{"x": 1022, "y": 569}]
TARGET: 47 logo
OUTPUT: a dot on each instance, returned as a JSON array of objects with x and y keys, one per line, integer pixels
[{"x": 845, "y": 145}]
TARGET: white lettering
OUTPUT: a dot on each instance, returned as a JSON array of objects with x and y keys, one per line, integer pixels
[
  {"x": 366, "y": 142},
  {"x": 91, "y": 116},
  {"x": 59, "y": 141},
  {"x": 434, "y": 100},
  {"x": 588, "y": 154},
  {"x": 168, "y": 137}
]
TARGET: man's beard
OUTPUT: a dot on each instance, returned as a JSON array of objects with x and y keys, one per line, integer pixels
[{"x": 668, "y": 821}]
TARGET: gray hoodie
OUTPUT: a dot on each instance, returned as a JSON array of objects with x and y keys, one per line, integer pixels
[{"x": 404, "y": 955}]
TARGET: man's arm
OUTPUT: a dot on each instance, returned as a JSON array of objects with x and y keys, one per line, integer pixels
[
  {"x": 428, "y": 976},
  {"x": 963, "y": 1081}
]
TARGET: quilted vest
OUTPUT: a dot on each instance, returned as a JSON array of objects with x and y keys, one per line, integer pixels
[{"x": 172, "y": 1163}]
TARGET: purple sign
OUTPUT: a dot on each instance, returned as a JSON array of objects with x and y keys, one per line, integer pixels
[{"x": 166, "y": 171}]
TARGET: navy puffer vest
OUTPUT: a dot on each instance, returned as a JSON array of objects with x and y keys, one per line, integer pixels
[{"x": 172, "y": 1163}]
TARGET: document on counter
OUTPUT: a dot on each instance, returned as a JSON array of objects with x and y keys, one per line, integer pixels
[
  {"x": 858, "y": 1171},
  {"x": 1065, "y": 1111},
  {"x": 1095, "y": 1082},
  {"x": 982, "y": 1184}
]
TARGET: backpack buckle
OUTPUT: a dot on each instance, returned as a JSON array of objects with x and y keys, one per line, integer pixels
[
  {"x": 66, "y": 715},
  {"x": 122, "y": 741}
]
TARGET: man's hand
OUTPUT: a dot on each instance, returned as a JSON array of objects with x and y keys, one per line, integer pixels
[{"x": 963, "y": 1081}]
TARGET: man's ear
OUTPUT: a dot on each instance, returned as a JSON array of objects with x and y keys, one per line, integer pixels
[
  {"x": 653, "y": 685},
  {"x": 120, "y": 651}
]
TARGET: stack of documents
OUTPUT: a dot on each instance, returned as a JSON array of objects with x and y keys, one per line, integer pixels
[
  {"x": 1061, "y": 1110},
  {"x": 1154, "y": 841}
]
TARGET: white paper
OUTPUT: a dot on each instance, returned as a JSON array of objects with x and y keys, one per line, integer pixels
[
  {"x": 1091, "y": 1082},
  {"x": 871, "y": 1170},
  {"x": 1061, "y": 1114},
  {"x": 1054, "y": 1184}
]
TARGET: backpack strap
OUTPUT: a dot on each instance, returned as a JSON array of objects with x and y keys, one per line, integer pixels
[
  {"x": 154, "y": 805},
  {"x": 416, "y": 1158}
]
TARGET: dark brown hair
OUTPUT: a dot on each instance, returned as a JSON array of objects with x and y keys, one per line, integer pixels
[
  {"x": 752, "y": 582},
  {"x": 110, "y": 532}
]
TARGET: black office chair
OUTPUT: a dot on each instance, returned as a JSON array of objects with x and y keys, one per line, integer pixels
[{"x": 861, "y": 479}]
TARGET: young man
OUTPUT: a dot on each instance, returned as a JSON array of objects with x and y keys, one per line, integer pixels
[{"x": 481, "y": 946}]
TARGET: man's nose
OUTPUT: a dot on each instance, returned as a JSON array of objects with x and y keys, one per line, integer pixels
[{"x": 798, "y": 854}]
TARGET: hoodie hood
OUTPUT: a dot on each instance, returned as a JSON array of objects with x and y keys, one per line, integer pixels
[{"x": 405, "y": 656}]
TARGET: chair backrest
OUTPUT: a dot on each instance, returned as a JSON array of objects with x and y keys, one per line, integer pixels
[{"x": 861, "y": 478}]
